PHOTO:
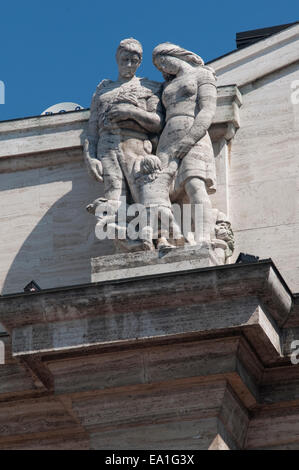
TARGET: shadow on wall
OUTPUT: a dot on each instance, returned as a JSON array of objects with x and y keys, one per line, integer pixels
[{"x": 47, "y": 233}]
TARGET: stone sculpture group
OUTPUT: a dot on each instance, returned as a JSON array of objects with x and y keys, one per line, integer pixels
[{"x": 148, "y": 142}]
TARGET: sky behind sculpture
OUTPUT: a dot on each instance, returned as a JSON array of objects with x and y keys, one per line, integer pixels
[{"x": 57, "y": 51}]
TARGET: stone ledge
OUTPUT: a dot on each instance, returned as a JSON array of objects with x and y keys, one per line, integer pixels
[
  {"x": 46, "y": 137},
  {"x": 128, "y": 265},
  {"x": 167, "y": 353},
  {"x": 220, "y": 283},
  {"x": 213, "y": 301}
]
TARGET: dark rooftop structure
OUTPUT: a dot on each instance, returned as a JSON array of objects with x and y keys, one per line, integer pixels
[{"x": 247, "y": 38}]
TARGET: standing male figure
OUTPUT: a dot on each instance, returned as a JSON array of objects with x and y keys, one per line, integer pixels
[{"x": 125, "y": 117}]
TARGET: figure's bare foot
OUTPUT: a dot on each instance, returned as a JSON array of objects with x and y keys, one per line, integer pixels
[
  {"x": 90, "y": 208},
  {"x": 164, "y": 246},
  {"x": 147, "y": 246},
  {"x": 99, "y": 202}
]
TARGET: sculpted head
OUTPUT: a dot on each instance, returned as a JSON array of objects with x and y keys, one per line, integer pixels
[
  {"x": 128, "y": 57},
  {"x": 168, "y": 58},
  {"x": 224, "y": 231}
]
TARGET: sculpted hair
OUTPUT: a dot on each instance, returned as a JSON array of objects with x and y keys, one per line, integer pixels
[
  {"x": 166, "y": 48},
  {"x": 131, "y": 45}
]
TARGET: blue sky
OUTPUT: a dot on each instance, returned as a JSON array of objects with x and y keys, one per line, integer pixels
[{"x": 59, "y": 50}]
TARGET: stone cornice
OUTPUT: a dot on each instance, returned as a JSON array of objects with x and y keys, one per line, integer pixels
[
  {"x": 262, "y": 58},
  {"x": 109, "y": 352},
  {"x": 252, "y": 298}
]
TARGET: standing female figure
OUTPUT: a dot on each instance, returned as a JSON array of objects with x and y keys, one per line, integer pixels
[{"x": 185, "y": 148}]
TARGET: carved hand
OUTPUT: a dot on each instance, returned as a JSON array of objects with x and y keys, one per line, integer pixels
[
  {"x": 181, "y": 148},
  {"x": 150, "y": 164},
  {"x": 121, "y": 112},
  {"x": 94, "y": 166},
  {"x": 95, "y": 169}
]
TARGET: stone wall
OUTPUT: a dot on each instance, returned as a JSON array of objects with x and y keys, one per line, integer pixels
[
  {"x": 263, "y": 169},
  {"x": 264, "y": 173},
  {"x": 46, "y": 233}
]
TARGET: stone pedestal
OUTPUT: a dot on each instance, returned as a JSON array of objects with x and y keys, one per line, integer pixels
[
  {"x": 128, "y": 265},
  {"x": 190, "y": 359}
]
